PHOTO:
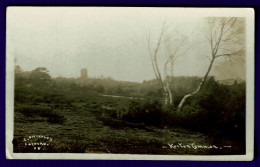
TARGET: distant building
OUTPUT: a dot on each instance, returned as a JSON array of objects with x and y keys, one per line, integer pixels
[
  {"x": 82, "y": 80},
  {"x": 83, "y": 74}
]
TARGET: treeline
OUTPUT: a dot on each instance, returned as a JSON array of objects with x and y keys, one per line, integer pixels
[{"x": 39, "y": 80}]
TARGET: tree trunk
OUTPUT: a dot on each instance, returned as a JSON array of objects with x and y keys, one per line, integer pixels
[
  {"x": 166, "y": 97},
  {"x": 166, "y": 100},
  {"x": 170, "y": 97},
  {"x": 169, "y": 93},
  {"x": 199, "y": 88}
]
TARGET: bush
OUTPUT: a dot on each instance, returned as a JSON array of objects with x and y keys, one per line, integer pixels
[
  {"x": 149, "y": 112},
  {"x": 218, "y": 110}
]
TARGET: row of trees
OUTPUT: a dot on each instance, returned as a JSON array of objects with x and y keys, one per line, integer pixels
[
  {"x": 225, "y": 37},
  {"x": 40, "y": 80}
]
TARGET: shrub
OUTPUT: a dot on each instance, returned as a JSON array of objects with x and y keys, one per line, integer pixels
[
  {"x": 218, "y": 110},
  {"x": 149, "y": 112}
]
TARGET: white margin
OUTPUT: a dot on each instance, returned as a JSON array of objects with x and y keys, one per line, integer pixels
[{"x": 206, "y": 12}]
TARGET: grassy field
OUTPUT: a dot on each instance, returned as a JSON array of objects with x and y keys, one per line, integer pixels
[
  {"x": 77, "y": 128},
  {"x": 81, "y": 127}
]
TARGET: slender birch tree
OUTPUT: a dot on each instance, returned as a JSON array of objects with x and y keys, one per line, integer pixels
[
  {"x": 226, "y": 40},
  {"x": 172, "y": 44}
]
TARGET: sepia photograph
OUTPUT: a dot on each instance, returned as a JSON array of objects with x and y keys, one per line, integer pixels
[{"x": 141, "y": 83}]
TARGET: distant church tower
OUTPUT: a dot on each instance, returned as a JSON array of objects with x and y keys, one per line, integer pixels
[{"x": 83, "y": 74}]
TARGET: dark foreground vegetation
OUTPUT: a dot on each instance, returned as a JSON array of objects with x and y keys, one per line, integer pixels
[{"x": 73, "y": 115}]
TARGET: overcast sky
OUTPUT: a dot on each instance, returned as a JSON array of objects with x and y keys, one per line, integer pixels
[{"x": 107, "y": 41}]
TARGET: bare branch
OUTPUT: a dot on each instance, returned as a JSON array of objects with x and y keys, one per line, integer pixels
[
  {"x": 151, "y": 55},
  {"x": 239, "y": 52},
  {"x": 231, "y": 25}
]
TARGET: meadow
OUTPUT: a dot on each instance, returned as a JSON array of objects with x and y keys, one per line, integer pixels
[{"x": 96, "y": 118}]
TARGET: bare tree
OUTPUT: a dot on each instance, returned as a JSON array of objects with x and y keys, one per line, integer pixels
[
  {"x": 172, "y": 45},
  {"x": 226, "y": 39}
]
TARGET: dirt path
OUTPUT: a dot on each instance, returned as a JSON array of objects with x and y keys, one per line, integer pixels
[{"x": 116, "y": 96}]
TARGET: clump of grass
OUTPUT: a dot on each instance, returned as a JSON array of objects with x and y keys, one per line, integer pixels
[
  {"x": 56, "y": 119},
  {"x": 121, "y": 124},
  {"x": 31, "y": 111}
]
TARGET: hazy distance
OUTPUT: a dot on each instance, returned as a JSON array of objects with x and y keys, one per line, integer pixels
[{"x": 107, "y": 41}]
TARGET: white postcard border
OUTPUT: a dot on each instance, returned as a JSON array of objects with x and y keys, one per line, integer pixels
[{"x": 207, "y": 12}]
